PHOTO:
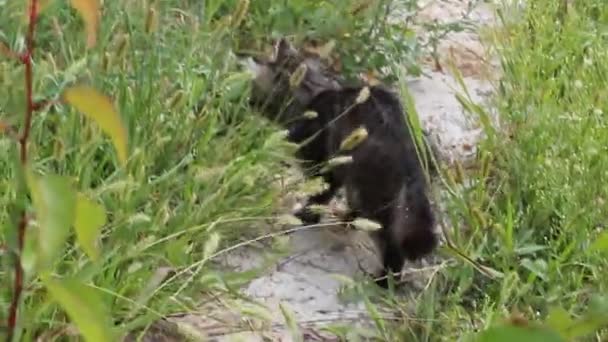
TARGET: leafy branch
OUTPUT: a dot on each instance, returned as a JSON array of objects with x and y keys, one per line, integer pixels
[
  {"x": 26, "y": 59},
  {"x": 57, "y": 206}
]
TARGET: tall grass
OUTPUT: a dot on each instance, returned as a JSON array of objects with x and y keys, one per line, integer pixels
[{"x": 534, "y": 212}]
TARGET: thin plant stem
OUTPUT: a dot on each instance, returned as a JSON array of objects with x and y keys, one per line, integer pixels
[{"x": 26, "y": 59}]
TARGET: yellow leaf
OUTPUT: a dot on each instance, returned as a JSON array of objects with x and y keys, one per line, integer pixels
[
  {"x": 99, "y": 108},
  {"x": 89, "y": 11}
]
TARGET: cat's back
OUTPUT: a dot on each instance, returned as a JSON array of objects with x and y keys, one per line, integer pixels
[{"x": 376, "y": 108}]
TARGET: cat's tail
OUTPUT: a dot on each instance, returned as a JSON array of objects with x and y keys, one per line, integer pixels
[{"x": 413, "y": 225}]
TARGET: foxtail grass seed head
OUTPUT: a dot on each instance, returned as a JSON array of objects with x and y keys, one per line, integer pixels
[
  {"x": 341, "y": 160},
  {"x": 139, "y": 218},
  {"x": 123, "y": 41},
  {"x": 289, "y": 220},
  {"x": 363, "y": 95},
  {"x": 450, "y": 177},
  {"x": 57, "y": 30},
  {"x": 298, "y": 76},
  {"x": 211, "y": 245},
  {"x": 310, "y": 114},
  {"x": 151, "y": 20},
  {"x": 360, "y": 7},
  {"x": 106, "y": 61},
  {"x": 176, "y": 100},
  {"x": 58, "y": 147},
  {"x": 276, "y": 138},
  {"x": 51, "y": 60},
  {"x": 459, "y": 173},
  {"x": 206, "y": 174},
  {"x": 319, "y": 209},
  {"x": 281, "y": 244},
  {"x": 485, "y": 165},
  {"x": 479, "y": 216},
  {"x": 337, "y": 161},
  {"x": 313, "y": 186},
  {"x": 366, "y": 225},
  {"x": 240, "y": 13},
  {"x": 326, "y": 50},
  {"x": 354, "y": 139},
  {"x": 134, "y": 267}
]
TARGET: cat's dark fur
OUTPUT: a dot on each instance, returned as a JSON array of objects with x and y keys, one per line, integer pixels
[{"x": 385, "y": 181}]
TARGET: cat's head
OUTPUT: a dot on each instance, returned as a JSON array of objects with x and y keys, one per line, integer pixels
[{"x": 284, "y": 83}]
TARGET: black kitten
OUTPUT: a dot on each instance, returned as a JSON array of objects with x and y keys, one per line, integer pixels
[{"x": 384, "y": 181}]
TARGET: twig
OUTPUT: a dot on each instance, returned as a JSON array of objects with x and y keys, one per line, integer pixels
[{"x": 26, "y": 59}]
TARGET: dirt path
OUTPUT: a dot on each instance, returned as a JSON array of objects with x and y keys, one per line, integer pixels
[{"x": 304, "y": 282}]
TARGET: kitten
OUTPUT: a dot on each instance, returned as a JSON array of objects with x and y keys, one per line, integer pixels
[{"x": 384, "y": 181}]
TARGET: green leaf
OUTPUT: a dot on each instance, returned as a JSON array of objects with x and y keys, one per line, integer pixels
[
  {"x": 509, "y": 333},
  {"x": 29, "y": 257},
  {"x": 594, "y": 319},
  {"x": 601, "y": 244},
  {"x": 90, "y": 217},
  {"x": 530, "y": 249},
  {"x": 559, "y": 320},
  {"x": 83, "y": 306},
  {"x": 55, "y": 203},
  {"x": 538, "y": 267},
  {"x": 99, "y": 108}
]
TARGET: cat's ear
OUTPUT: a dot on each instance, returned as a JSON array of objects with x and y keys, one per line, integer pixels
[{"x": 283, "y": 50}]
